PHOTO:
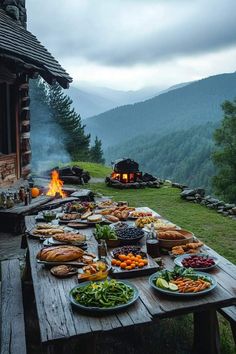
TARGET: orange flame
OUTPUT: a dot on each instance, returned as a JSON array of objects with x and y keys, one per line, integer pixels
[{"x": 55, "y": 185}]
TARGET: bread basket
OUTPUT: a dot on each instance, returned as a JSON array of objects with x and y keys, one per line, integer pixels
[{"x": 168, "y": 244}]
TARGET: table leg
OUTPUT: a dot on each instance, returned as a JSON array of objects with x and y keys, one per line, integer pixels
[{"x": 206, "y": 333}]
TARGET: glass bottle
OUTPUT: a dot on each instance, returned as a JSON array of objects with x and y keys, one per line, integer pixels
[
  {"x": 22, "y": 193},
  {"x": 152, "y": 243},
  {"x": 102, "y": 250}
]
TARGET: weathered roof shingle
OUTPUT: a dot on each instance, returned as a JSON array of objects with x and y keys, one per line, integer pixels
[{"x": 21, "y": 44}]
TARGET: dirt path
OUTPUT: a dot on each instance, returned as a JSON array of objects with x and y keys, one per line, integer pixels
[{"x": 96, "y": 180}]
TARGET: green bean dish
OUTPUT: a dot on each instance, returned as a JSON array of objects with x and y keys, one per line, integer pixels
[{"x": 108, "y": 294}]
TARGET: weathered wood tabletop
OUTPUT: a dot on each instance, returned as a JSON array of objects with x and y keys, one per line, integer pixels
[{"x": 59, "y": 321}]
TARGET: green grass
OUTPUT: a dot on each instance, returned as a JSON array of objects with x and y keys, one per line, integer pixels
[
  {"x": 96, "y": 170},
  {"x": 215, "y": 230}
]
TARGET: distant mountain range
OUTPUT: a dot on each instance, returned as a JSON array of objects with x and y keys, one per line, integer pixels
[
  {"x": 193, "y": 104},
  {"x": 89, "y": 100}
]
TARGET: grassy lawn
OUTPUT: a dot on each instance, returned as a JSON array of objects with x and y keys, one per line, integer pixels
[
  {"x": 215, "y": 230},
  {"x": 95, "y": 169}
]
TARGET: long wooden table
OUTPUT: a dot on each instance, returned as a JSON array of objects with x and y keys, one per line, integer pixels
[{"x": 62, "y": 327}]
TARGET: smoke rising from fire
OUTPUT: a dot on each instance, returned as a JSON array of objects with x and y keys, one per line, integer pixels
[{"x": 47, "y": 137}]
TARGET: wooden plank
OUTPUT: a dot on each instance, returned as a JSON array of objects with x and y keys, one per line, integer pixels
[
  {"x": 229, "y": 313},
  {"x": 12, "y": 319},
  {"x": 24, "y": 209}
]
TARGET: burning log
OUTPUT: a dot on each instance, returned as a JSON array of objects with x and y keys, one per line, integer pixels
[
  {"x": 55, "y": 185},
  {"x": 71, "y": 175}
]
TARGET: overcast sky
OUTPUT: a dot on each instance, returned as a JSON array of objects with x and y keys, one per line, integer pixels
[{"x": 129, "y": 44}]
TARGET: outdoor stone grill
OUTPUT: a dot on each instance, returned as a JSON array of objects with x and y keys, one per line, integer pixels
[{"x": 126, "y": 174}]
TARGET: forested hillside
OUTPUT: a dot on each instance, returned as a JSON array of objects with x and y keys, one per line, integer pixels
[
  {"x": 195, "y": 104},
  {"x": 183, "y": 156}
]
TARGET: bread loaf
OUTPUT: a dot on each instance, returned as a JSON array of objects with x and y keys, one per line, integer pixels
[
  {"x": 170, "y": 235},
  {"x": 60, "y": 253},
  {"x": 112, "y": 218}
]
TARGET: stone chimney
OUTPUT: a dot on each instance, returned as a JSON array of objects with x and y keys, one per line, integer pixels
[{"x": 16, "y": 10}]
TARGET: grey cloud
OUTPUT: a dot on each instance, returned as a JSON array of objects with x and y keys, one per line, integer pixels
[{"x": 96, "y": 32}]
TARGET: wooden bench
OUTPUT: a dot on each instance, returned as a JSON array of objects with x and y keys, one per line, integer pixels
[
  {"x": 229, "y": 313},
  {"x": 12, "y": 311}
]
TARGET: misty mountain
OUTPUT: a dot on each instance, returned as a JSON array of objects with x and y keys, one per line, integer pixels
[
  {"x": 179, "y": 109},
  {"x": 183, "y": 156},
  {"x": 91, "y": 100}
]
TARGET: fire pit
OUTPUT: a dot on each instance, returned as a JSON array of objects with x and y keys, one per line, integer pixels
[
  {"x": 126, "y": 174},
  {"x": 126, "y": 171}
]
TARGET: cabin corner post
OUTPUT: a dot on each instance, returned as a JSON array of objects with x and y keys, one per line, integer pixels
[{"x": 24, "y": 125}]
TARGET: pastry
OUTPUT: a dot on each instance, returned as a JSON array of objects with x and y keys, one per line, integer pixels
[
  {"x": 86, "y": 215},
  {"x": 95, "y": 218},
  {"x": 68, "y": 216},
  {"x": 48, "y": 232},
  {"x": 63, "y": 271},
  {"x": 77, "y": 225},
  {"x": 112, "y": 218},
  {"x": 60, "y": 254},
  {"x": 46, "y": 226},
  {"x": 69, "y": 237}
]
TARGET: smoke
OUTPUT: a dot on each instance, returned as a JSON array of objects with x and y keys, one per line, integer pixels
[{"x": 47, "y": 137}]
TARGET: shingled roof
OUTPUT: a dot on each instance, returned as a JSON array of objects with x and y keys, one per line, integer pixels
[{"x": 23, "y": 47}]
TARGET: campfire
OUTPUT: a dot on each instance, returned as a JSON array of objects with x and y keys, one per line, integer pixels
[
  {"x": 126, "y": 171},
  {"x": 55, "y": 185}
]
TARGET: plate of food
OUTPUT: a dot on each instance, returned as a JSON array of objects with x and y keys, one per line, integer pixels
[
  {"x": 44, "y": 230},
  {"x": 106, "y": 204},
  {"x": 79, "y": 207},
  {"x": 69, "y": 217},
  {"x": 106, "y": 233},
  {"x": 78, "y": 225},
  {"x": 142, "y": 222},
  {"x": 103, "y": 296},
  {"x": 182, "y": 282},
  {"x": 192, "y": 247},
  {"x": 68, "y": 238},
  {"x": 63, "y": 271},
  {"x": 129, "y": 235},
  {"x": 95, "y": 271},
  {"x": 133, "y": 215},
  {"x": 161, "y": 225},
  {"x": 171, "y": 238},
  {"x": 199, "y": 261},
  {"x": 118, "y": 213},
  {"x": 65, "y": 254}
]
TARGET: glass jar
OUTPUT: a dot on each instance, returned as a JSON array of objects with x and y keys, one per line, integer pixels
[{"x": 152, "y": 243}]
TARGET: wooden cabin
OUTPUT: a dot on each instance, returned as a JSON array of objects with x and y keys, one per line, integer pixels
[{"x": 22, "y": 57}]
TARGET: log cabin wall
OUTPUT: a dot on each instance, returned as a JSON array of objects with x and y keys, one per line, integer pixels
[
  {"x": 24, "y": 114},
  {"x": 9, "y": 149}
]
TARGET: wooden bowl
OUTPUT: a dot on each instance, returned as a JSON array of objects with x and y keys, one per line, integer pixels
[
  {"x": 113, "y": 243},
  {"x": 110, "y": 243},
  {"x": 168, "y": 244}
]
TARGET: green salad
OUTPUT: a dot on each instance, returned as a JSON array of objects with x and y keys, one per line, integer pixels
[
  {"x": 109, "y": 293},
  {"x": 105, "y": 232}
]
